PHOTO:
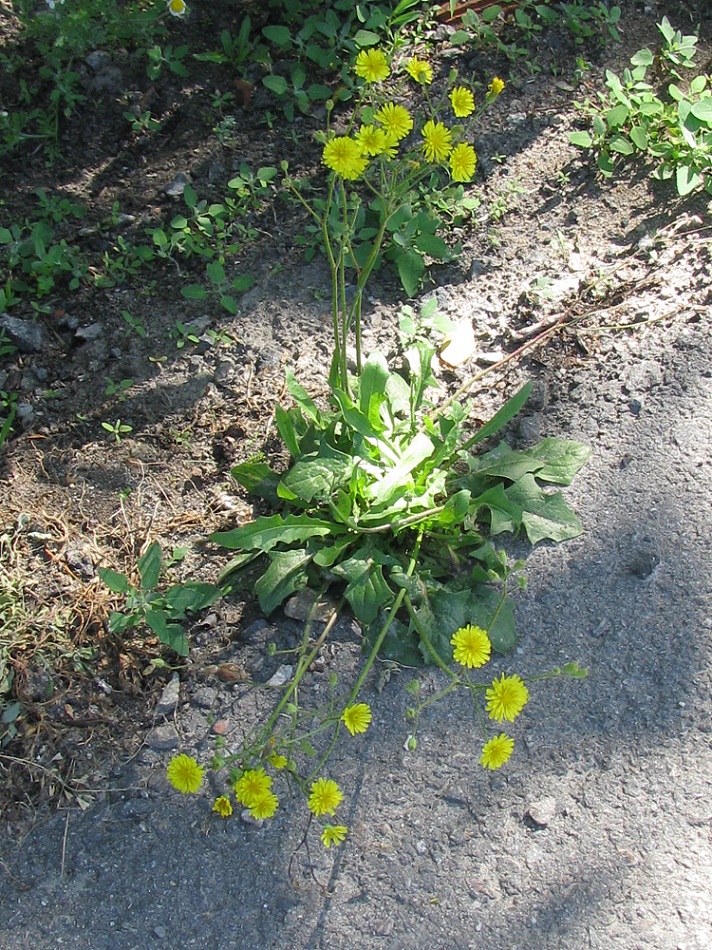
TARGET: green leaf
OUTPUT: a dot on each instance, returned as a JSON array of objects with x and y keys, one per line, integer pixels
[
  {"x": 190, "y": 596},
  {"x": 149, "y": 566},
  {"x": 265, "y": 532},
  {"x": 366, "y": 588},
  {"x": 315, "y": 478},
  {"x": 302, "y": 398},
  {"x": 372, "y": 388},
  {"x": 190, "y": 197},
  {"x": 616, "y": 116},
  {"x": 503, "y": 415},
  {"x": 505, "y": 514},
  {"x": 276, "y": 84},
  {"x": 366, "y": 38},
  {"x": 687, "y": 179},
  {"x": 639, "y": 137},
  {"x": 354, "y": 418},
  {"x": 621, "y": 145},
  {"x": 117, "y": 583},
  {"x": 411, "y": 268},
  {"x": 194, "y": 292},
  {"x": 581, "y": 139},
  {"x": 286, "y": 429},
  {"x": 702, "y": 110},
  {"x": 562, "y": 458},
  {"x": 228, "y": 302},
  {"x": 543, "y": 516},
  {"x": 172, "y": 634},
  {"x": 279, "y": 35},
  {"x": 417, "y": 450},
  {"x": 643, "y": 57},
  {"x": 286, "y": 574},
  {"x": 433, "y": 246}
]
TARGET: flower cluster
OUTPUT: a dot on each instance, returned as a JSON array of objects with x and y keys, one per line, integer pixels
[
  {"x": 506, "y": 697},
  {"x": 386, "y": 127}
]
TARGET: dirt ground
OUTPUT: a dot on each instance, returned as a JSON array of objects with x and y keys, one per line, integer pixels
[{"x": 598, "y": 832}]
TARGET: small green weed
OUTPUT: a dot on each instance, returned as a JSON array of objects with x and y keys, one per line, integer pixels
[{"x": 670, "y": 127}]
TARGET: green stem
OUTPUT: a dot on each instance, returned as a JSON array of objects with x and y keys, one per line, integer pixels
[
  {"x": 422, "y": 633},
  {"x": 386, "y": 626}
]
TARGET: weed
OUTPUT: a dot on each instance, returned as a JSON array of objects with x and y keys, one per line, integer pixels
[{"x": 117, "y": 429}]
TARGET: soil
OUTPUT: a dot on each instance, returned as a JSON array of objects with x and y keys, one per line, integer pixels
[{"x": 598, "y": 832}]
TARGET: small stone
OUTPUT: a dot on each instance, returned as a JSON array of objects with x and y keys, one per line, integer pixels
[
  {"x": 169, "y": 697},
  {"x": 221, "y": 727},
  {"x": 205, "y": 697},
  {"x": 542, "y": 812},
  {"x": 175, "y": 188},
  {"x": 28, "y": 337},
  {"x": 163, "y": 738},
  {"x": 281, "y": 677},
  {"x": 160, "y": 932},
  {"x": 249, "y": 819},
  {"x": 98, "y": 59},
  {"x": 299, "y": 607},
  {"x": 90, "y": 333}
]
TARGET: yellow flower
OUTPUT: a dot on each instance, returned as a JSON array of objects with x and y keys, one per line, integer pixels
[
  {"x": 420, "y": 70},
  {"x": 390, "y": 149},
  {"x": 396, "y": 120},
  {"x": 496, "y": 752},
  {"x": 463, "y": 162},
  {"x": 223, "y": 806},
  {"x": 325, "y": 796},
  {"x": 356, "y": 718},
  {"x": 437, "y": 141},
  {"x": 495, "y": 87},
  {"x": 344, "y": 156},
  {"x": 264, "y": 805},
  {"x": 506, "y": 698},
  {"x": 472, "y": 646},
  {"x": 185, "y": 774},
  {"x": 177, "y": 7},
  {"x": 278, "y": 761},
  {"x": 371, "y": 139},
  {"x": 372, "y": 65},
  {"x": 251, "y": 785},
  {"x": 463, "y": 102},
  {"x": 333, "y": 834}
]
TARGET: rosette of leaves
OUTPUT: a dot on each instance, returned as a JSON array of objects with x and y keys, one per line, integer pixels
[{"x": 370, "y": 475}]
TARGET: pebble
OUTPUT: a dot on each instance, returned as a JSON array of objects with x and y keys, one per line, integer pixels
[
  {"x": 542, "y": 812},
  {"x": 299, "y": 606},
  {"x": 281, "y": 677},
  {"x": 163, "y": 738},
  {"x": 205, "y": 697},
  {"x": 28, "y": 336},
  {"x": 175, "y": 188},
  {"x": 169, "y": 697}
]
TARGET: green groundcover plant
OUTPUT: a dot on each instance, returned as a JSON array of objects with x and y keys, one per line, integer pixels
[
  {"x": 645, "y": 115},
  {"x": 392, "y": 497}
]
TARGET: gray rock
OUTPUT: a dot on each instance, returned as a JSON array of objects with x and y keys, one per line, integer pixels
[
  {"x": 90, "y": 333},
  {"x": 169, "y": 697},
  {"x": 175, "y": 188},
  {"x": 163, "y": 738},
  {"x": 98, "y": 59},
  {"x": 542, "y": 812},
  {"x": 299, "y": 607},
  {"x": 281, "y": 677},
  {"x": 28, "y": 337},
  {"x": 205, "y": 697}
]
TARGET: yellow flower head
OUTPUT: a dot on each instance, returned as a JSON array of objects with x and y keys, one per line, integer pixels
[
  {"x": 264, "y": 805},
  {"x": 396, "y": 120},
  {"x": 372, "y": 65},
  {"x": 251, "y": 785},
  {"x": 495, "y": 87},
  {"x": 372, "y": 139},
  {"x": 345, "y": 156},
  {"x": 177, "y": 7},
  {"x": 437, "y": 141},
  {"x": 420, "y": 70},
  {"x": 325, "y": 796},
  {"x": 472, "y": 646},
  {"x": 356, "y": 718},
  {"x": 278, "y": 761},
  {"x": 223, "y": 806},
  {"x": 506, "y": 698},
  {"x": 496, "y": 752},
  {"x": 463, "y": 161},
  {"x": 463, "y": 102},
  {"x": 333, "y": 834},
  {"x": 185, "y": 774}
]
